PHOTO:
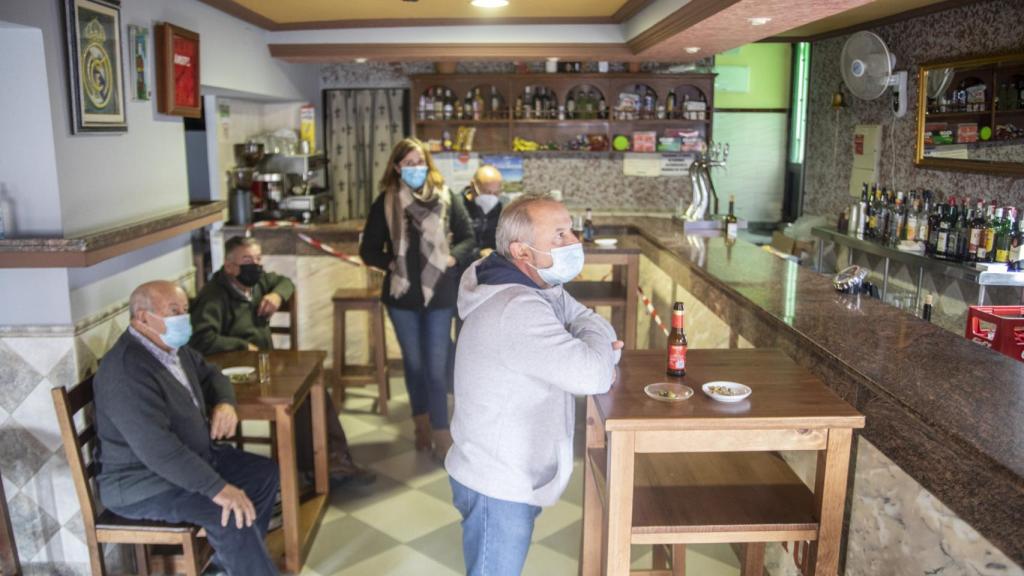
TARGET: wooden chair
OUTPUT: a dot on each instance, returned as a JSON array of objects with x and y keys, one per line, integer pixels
[
  {"x": 10, "y": 565},
  {"x": 368, "y": 299},
  {"x": 105, "y": 527},
  {"x": 291, "y": 308}
]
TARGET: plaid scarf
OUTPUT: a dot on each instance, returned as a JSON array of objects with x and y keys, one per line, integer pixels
[{"x": 428, "y": 212}]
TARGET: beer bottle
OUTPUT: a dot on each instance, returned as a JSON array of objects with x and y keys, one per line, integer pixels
[
  {"x": 677, "y": 343},
  {"x": 730, "y": 219},
  {"x": 588, "y": 227}
]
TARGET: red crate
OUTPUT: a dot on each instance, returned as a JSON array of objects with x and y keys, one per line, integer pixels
[{"x": 998, "y": 327}]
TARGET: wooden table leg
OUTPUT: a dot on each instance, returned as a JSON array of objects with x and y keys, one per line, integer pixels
[
  {"x": 829, "y": 502},
  {"x": 9, "y": 563},
  {"x": 339, "y": 353},
  {"x": 285, "y": 423},
  {"x": 632, "y": 300},
  {"x": 621, "y": 459},
  {"x": 679, "y": 560},
  {"x": 593, "y": 510},
  {"x": 318, "y": 399}
]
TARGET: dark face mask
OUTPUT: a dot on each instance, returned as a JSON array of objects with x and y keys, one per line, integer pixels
[{"x": 249, "y": 274}]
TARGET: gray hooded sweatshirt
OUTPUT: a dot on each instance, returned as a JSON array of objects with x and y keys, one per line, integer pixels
[{"x": 522, "y": 354}]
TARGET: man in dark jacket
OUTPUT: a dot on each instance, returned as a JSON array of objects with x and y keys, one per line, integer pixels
[
  {"x": 232, "y": 312},
  {"x": 159, "y": 408},
  {"x": 481, "y": 200}
]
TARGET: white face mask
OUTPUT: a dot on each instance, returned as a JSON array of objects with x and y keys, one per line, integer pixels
[
  {"x": 567, "y": 263},
  {"x": 486, "y": 202}
]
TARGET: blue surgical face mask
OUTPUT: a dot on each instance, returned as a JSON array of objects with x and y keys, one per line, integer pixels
[
  {"x": 414, "y": 176},
  {"x": 567, "y": 263},
  {"x": 177, "y": 332}
]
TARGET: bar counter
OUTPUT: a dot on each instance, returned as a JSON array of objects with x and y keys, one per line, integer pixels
[{"x": 948, "y": 412}]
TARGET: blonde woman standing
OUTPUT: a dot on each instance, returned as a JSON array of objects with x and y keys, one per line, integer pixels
[{"x": 419, "y": 233}]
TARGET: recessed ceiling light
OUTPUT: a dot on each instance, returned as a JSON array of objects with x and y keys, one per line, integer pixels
[
  {"x": 759, "y": 21},
  {"x": 489, "y": 3},
  {"x": 552, "y": 58},
  {"x": 692, "y": 50},
  {"x": 360, "y": 60}
]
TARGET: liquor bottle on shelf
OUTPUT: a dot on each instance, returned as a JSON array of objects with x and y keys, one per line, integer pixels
[
  {"x": 528, "y": 103},
  {"x": 449, "y": 105},
  {"x": 964, "y": 235},
  {"x": 677, "y": 343},
  {"x": 495, "y": 103},
  {"x": 670, "y": 105},
  {"x": 953, "y": 229},
  {"x": 421, "y": 112},
  {"x": 538, "y": 103},
  {"x": 1003, "y": 232},
  {"x": 992, "y": 225},
  {"x": 602, "y": 109},
  {"x": 873, "y": 209},
  {"x": 884, "y": 215},
  {"x": 438, "y": 103},
  {"x": 926, "y": 310},
  {"x": 731, "y": 224},
  {"x": 924, "y": 230},
  {"x": 478, "y": 105},
  {"x": 976, "y": 240},
  {"x": 588, "y": 226},
  {"x": 941, "y": 227},
  {"x": 570, "y": 107},
  {"x": 913, "y": 227},
  {"x": 1014, "y": 257},
  {"x": 898, "y": 225}
]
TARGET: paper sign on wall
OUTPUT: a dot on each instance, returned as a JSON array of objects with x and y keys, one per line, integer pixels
[
  {"x": 676, "y": 164},
  {"x": 641, "y": 165},
  {"x": 866, "y": 148}
]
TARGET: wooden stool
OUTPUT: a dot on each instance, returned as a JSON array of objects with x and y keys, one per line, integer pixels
[{"x": 361, "y": 375}]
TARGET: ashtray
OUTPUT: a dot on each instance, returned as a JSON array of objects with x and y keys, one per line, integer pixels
[{"x": 668, "y": 391}]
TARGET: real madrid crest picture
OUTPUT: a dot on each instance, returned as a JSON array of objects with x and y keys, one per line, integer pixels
[{"x": 94, "y": 65}]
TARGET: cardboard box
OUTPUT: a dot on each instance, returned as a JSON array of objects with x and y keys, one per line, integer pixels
[
  {"x": 644, "y": 141},
  {"x": 967, "y": 133}
]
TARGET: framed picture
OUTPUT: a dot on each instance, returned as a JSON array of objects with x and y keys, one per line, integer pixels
[
  {"x": 94, "y": 47},
  {"x": 177, "y": 71},
  {"x": 138, "y": 41}
]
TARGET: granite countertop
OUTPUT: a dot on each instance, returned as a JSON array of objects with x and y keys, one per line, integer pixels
[{"x": 971, "y": 394}]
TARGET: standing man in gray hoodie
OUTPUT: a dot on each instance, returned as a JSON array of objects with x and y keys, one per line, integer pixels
[{"x": 525, "y": 349}]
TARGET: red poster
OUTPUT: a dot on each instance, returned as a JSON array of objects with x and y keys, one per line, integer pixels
[
  {"x": 185, "y": 66},
  {"x": 858, "y": 144}
]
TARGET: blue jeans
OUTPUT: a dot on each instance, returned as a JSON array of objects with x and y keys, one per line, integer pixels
[
  {"x": 241, "y": 552},
  {"x": 495, "y": 533},
  {"x": 425, "y": 337}
]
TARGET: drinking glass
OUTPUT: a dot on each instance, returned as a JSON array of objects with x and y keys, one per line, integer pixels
[{"x": 264, "y": 367}]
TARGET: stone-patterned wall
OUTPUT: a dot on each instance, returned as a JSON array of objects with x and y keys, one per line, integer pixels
[
  {"x": 45, "y": 512},
  {"x": 978, "y": 28}
]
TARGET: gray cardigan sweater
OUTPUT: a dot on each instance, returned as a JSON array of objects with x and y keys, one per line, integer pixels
[{"x": 152, "y": 438}]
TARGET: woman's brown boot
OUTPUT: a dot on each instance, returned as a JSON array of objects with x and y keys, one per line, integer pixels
[{"x": 423, "y": 435}]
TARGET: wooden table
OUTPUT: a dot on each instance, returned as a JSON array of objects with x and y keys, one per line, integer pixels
[
  {"x": 294, "y": 376},
  {"x": 703, "y": 471},
  {"x": 620, "y": 293}
]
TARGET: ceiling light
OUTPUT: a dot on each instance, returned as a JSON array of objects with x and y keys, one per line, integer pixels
[
  {"x": 360, "y": 60},
  {"x": 489, "y": 3},
  {"x": 552, "y": 58},
  {"x": 759, "y": 21},
  {"x": 692, "y": 50}
]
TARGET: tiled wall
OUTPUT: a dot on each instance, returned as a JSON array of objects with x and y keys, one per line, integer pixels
[{"x": 40, "y": 494}]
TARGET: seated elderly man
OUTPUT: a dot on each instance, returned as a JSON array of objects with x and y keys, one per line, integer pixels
[
  {"x": 526, "y": 348},
  {"x": 159, "y": 410},
  {"x": 232, "y": 312}
]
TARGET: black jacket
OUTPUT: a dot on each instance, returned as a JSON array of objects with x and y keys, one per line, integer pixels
[
  {"x": 484, "y": 225},
  {"x": 152, "y": 438},
  {"x": 376, "y": 250},
  {"x": 223, "y": 320}
]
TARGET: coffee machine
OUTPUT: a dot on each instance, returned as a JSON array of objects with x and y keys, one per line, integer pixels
[{"x": 241, "y": 180}]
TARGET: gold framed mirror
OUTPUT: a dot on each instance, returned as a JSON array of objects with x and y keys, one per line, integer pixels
[{"x": 970, "y": 115}]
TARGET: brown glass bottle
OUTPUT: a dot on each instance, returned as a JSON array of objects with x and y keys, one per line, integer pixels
[{"x": 677, "y": 343}]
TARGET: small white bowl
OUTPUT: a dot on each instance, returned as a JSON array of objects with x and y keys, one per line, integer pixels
[
  {"x": 668, "y": 391},
  {"x": 239, "y": 373},
  {"x": 606, "y": 242},
  {"x": 727, "y": 391}
]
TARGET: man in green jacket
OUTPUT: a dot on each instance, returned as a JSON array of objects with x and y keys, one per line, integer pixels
[{"x": 232, "y": 312}]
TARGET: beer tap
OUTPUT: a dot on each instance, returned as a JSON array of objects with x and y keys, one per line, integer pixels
[{"x": 700, "y": 180}]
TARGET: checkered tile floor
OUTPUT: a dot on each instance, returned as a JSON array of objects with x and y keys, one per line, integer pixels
[{"x": 405, "y": 523}]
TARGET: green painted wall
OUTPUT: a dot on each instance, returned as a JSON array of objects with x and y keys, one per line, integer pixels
[{"x": 768, "y": 71}]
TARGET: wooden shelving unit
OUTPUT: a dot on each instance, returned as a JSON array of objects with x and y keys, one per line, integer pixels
[
  {"x": 86, "y": 250},
  {"x": 496, "y": 135}
]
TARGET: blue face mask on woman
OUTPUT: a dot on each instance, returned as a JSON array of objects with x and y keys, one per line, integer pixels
[
  {"x": 178, "y": 331},
  {"x": 414, "y": 176},
  {"x": 567, "y": 263}
]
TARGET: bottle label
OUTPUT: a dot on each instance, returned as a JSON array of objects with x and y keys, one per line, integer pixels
[
  {"x": 677, "y": 321},
  {"x": 940, "y": 245},
  {"x": 1002, "y": 256},
  {"x": 990, "y": 240},
  {"x": 677, "y": 358},
  {"x": 975, "y": 241},
  {"x": 730, "y": 229}
]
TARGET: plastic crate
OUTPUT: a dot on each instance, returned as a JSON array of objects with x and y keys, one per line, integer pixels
[{"x": 998, "y": 327}]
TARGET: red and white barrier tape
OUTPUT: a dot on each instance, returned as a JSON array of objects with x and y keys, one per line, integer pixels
[
  {"x": 273, "y": 224},
  {"x": 651, "y": 310},
  {"x": 329, "y": 250}
]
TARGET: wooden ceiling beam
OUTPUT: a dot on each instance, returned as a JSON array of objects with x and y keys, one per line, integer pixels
[
  {"x": 301, "y": 53},
  {"x": 682, "y": 19}
]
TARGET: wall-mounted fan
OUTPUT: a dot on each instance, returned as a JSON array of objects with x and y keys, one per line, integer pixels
[{"x": 867, "y": 67}]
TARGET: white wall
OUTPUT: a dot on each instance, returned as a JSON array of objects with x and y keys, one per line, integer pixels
[
  {"x": 106, "y": 180},
  {"x": 28, "y": 166}
]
